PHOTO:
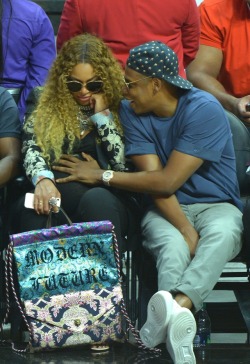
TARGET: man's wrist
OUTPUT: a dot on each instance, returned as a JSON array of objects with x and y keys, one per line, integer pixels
[{"x": 107, "y": 177}]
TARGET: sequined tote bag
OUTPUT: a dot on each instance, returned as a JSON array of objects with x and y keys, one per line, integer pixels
[{"x": 69, "y": 285}]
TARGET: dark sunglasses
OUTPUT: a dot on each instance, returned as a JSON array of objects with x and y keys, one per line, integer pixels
[{"x": 92, "y": 86}]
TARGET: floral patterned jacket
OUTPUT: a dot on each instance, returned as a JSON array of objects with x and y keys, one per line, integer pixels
[{"x": 109, "y": 144}]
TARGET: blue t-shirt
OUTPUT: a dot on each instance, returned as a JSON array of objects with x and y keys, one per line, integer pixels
[
  {"x": 199, "y": 128},
  {"x": 10, "y": 126}
]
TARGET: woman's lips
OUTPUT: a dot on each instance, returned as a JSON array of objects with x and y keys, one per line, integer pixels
[{"x": 83, "y": 98}]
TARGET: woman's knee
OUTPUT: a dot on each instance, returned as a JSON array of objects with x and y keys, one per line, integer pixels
[
  {"x": 101, "y": 204},
  {"x": 98, "y": 195}
]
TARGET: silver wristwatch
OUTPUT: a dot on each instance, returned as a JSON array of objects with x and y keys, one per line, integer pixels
[{"x": 106, "y": 177}]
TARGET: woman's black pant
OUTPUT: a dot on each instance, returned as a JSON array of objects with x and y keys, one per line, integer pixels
[{"x": 84, "y": 203}]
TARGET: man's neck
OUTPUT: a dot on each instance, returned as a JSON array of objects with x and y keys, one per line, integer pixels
[{"x": 167, "y": 109}]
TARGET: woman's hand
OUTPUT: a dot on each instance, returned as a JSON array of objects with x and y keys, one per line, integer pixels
[
  {"x": 77, "y": 169},
  {"x": 44, "y": 190},
  {"x": 98, "y": 102}
]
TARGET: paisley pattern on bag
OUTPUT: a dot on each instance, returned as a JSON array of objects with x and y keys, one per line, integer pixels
[{"x": 87, "y": 317}]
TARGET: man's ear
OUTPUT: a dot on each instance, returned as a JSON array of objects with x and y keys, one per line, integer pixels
[{"x": 156, "y": 85}]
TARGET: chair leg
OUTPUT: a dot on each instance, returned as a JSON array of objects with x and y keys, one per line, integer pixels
[
  {"x": 130, "y": 286},
  {"x": 134, "y": 290},
  {"x": 147, "y": 284},
  {"x": 243, "y": 299}
]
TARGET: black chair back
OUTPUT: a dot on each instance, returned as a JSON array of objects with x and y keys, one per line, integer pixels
[{"x": 241, "y": 141}]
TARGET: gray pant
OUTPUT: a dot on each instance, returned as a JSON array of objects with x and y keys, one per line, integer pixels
[{"x": 220, "y": 229}]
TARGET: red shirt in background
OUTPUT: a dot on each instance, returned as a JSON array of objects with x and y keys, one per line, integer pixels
[
  {"x": 225, "y": 24},
  {"x": 124, "y": 24}
]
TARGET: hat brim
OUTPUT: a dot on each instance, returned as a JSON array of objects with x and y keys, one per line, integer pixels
[{"x": 178, "y": 81}]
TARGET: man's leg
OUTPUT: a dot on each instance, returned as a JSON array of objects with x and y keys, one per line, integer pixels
[
  {"x": 220, "y": 229},
  {"x": 165, "y": 316},
  {"x": 168, "y": 248}
]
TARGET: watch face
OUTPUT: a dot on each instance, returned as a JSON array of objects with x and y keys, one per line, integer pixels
[
  {"x": 106, "y": 177},
  {"x": 108, "y": 174}
]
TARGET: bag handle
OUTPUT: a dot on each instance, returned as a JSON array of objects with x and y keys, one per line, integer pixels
[
  {"x": 131, "y": 327},
  {"x": 49, "y": 220},
  {"x": 9, "y": 282},
  {"x": 6, "y": 316}
]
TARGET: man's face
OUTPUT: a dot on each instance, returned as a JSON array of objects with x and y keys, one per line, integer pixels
[{"x": 139, "y": 90}]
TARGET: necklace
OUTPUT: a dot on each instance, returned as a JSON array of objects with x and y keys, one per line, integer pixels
[
  {"x": 86, "y": 110},
  {"x": 85, "y": 123}
]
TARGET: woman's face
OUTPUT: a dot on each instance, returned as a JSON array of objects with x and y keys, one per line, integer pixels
[{"x": 87, "y": 80}]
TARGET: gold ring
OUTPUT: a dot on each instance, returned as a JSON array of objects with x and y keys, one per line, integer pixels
[{"x": 40, "y": 202}]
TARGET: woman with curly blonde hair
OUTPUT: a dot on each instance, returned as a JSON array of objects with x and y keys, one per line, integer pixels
[{"x": 76, "y": 118}]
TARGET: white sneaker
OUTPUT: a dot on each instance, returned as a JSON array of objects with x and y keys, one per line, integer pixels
[
  {"x": 159, "y": 311},
  {"x": 180, "y": 335}
]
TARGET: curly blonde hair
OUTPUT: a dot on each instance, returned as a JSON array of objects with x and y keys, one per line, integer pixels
[{"x": 56, "y": 115}]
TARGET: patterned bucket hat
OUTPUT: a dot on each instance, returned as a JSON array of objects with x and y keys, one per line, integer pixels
[{"x": 156, "y": 59}]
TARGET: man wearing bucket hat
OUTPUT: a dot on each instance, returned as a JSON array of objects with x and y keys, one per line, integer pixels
[{"x": 179, "y": 139}]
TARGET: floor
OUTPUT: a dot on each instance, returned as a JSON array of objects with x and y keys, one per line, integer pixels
[
  {"x": 129, "y": 354},
  {"x": 225, "y": 348}
]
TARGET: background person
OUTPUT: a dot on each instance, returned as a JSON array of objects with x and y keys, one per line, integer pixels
[
  {"x": 10, "y": 138},
  {"x": 123, "y": 24},
  {"x": 222, "y": 63},
  {"x": 27, "y": 47},
  {"x": 10, "y": 155}
]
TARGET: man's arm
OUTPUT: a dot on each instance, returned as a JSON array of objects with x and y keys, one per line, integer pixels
[
  {"x": 203, "y": 73},
  {"x": 204, "y": 70},
  {"x": 9, "y": 159},
  {"x": 163, "y": 182},
  {"x": 169, "y": 207},
  {"x": 152, "y": 179}
]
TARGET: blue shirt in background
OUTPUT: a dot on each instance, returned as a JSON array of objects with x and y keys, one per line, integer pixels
[{"x": 10, "y": 126}]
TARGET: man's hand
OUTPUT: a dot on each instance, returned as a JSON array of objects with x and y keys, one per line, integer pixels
[
  {"x": 83, "y": 171},
  {"x": 191, "y": 237},
  {"x": 241, "y": 111}
]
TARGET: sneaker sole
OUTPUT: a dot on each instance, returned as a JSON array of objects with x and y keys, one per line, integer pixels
[
  {"x": 159, "y": 311},
  {"x": 181, "y": 332}
]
